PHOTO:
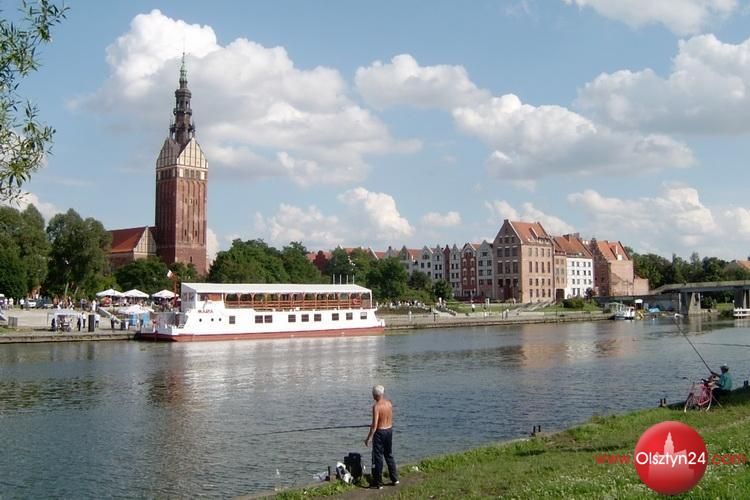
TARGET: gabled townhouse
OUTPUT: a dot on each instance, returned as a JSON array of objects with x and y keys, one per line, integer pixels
[
  {"x": 453, "y": 262},
  {"x": 524, "y": 262},
  {"x": 438, "y": 264},
  {"x": 613, "y": 270},
  {"x": 579, "y": 266},
  {"x": 485, "y": 280},
  {"x": 469, "y": 270}
]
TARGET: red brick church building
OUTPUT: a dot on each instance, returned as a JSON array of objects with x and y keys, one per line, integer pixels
[{"x": 179, "y": 231}]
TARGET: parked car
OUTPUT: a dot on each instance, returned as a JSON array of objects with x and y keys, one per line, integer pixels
[{"x": 30, "y": 304}]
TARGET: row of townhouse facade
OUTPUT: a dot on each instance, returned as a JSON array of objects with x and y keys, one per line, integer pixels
[{"x": 525, "y": 264}]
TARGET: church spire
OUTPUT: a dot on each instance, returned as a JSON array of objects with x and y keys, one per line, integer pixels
[{"x": 182, "y": 130}]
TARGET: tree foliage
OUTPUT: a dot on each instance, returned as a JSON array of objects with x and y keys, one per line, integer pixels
[
  {"x": 78, "y": 254},
  {"x": 387, "y": 279},
  {"x": 442, "y": 290},
  {"x": 25, "y": 231},
  {"x": 660, "y": 271},
  {"x": 147, "y": 275},
  {"x": 254, "y": 261},
  {"x": 12, "y": 269},
  {"x": 24, "y": 140}
]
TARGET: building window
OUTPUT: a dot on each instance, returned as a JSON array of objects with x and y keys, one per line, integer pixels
[{"x": 292, "y": 318}]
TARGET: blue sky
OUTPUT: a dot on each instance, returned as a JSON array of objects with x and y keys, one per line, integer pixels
[{"x": 412, "y": 122}]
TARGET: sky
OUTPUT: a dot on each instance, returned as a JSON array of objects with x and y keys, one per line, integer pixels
[{"x": 411, "y": 123}]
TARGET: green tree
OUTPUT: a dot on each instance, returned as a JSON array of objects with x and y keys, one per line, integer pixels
[
  {"x": 713, "y": 269},
  {"x": 12, "y": 269},
  {"x": 298, "y": 266},
  {"x": 676, "y": 271},
  {"x": 26, "y": 229},
  {"x": 250, "y": 261},
  {"x": 387, "y": 279},
  {"x": 442, "y": 290},
  {"x": 340, "y": 265},
  {"x": 652, "y": 267},
  {"x": 362, "y": 261},
  {"x": 34, "y": 247},
  {"x": 78, "y": 254},
  {"x": 147, "y": 275},
  {"x": 419, "y": 281},
  {"x": 24, "y": 141},
  {"x": 184, "y": 272}
]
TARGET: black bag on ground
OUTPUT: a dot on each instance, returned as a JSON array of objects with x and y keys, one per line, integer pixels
[{"x": 353, "y": 463}]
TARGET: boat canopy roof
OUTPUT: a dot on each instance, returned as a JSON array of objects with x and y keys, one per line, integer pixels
[{"x": 254, "y": 288}]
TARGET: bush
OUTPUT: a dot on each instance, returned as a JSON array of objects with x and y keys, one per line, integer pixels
[{"x": 574, "y": 303}]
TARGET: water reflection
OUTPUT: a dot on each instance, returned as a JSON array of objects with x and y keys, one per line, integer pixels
[{"x": 188, "y": 419}]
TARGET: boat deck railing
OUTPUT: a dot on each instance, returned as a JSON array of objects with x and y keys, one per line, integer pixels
[{"x": 293, "y": 305}]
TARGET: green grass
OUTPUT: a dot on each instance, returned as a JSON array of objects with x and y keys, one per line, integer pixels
[
  {"x": 587, "y": 307},
  {"x": 464, "y": 307},
  {"x": 562, "y": 465}
]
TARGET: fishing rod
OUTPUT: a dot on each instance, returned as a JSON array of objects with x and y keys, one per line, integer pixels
[
  {"x": 331, "y": 427},
  {"x": 690, "y": 342}
]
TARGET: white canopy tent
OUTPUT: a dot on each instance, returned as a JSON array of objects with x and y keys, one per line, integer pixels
[
  {"x": 163, "y": 294},
  {"x": 110, "y": 292},
  {"x": 134, "y": 309},
  {"x": 135, "y": 294}
]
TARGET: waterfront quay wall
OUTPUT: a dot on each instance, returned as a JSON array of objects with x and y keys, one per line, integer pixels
[{"x": 403, "y": 322}]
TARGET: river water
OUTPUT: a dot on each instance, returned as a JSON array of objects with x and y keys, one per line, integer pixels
[{"x": 127, "y": 419}]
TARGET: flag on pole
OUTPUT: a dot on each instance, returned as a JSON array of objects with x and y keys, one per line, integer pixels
[{"x": 170, "y": 273}]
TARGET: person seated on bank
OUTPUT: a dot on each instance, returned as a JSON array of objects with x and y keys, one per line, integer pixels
[{"x": 724, "y": 385}]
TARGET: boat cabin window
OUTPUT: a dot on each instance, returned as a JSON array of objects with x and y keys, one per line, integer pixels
[
  {"x": 231, "y": 320},
  {"x": 335, "y": 316},
  {"x": 292, "y": 318},
  {"x": 259, "y": 319},
  {"x": 305, "y": 318},
  {"x": 267, "y": 318},
  {"x": 349, "y": 316},
  {"x": 363, "y": 315},
  {"x": 317, "y": 317}
]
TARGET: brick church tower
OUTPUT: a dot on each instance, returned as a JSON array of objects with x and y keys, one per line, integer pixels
[{"x": 181, "y": 188}]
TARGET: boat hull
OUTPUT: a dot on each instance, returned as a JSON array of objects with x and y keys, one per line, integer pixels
[{"x": 202, "y": 337}]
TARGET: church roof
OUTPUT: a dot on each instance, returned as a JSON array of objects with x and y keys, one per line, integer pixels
[{"x": 125, "y": 240}]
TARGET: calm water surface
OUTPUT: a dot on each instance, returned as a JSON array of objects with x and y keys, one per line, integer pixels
[{"x": 125, "y": 419}]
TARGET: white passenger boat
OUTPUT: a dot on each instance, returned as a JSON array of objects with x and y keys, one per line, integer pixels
[{"x": 213, "y": 311}]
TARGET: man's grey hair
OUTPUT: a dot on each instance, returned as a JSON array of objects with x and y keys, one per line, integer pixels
[{"x": 378, "y": 390}]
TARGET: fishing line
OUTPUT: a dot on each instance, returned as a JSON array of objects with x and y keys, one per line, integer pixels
[
  {"x": 313, "y": 429},
  {"x": 690, "y": 342}
]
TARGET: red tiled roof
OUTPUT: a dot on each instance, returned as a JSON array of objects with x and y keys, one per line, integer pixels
[
  {"x": 379, "y": 254},
  {"x": 611, "y": 249},
  {"x": 125, "y": 240},
  {"x": 745, "y": 264},
  {"x": 572, "y": 245},
  {"x": 529, "y": 232}
]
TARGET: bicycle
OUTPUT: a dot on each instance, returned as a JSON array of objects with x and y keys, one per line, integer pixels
[{"x": 701, "y": 395}]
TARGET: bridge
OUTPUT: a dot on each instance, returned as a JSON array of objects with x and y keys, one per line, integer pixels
[{"x": 689, "y": 294}]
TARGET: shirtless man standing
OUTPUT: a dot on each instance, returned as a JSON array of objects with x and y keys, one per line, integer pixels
[{"x": 381, "y": 432}]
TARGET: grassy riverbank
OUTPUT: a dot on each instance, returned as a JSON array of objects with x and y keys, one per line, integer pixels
[{"x": 562, "y": 465}]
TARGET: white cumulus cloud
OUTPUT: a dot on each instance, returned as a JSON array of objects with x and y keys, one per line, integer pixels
[
  {"x": 683, "y": 17},
  {"x": 48, "y": 210},
  {"x": 256, "y": 113},
  {"x": 381, "y": 218},
  {"x": 307, "y": 225},
  {"x": 676, "y": 215},
  {"x": 501, "y": 209},
  {"x": 707, "y": 92},
  {"x": 212, "y": 245},
  {"x": 534, "y": 141},
  {"x": 404, "y": 82},
  {"x": 438, "y": 220}
]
